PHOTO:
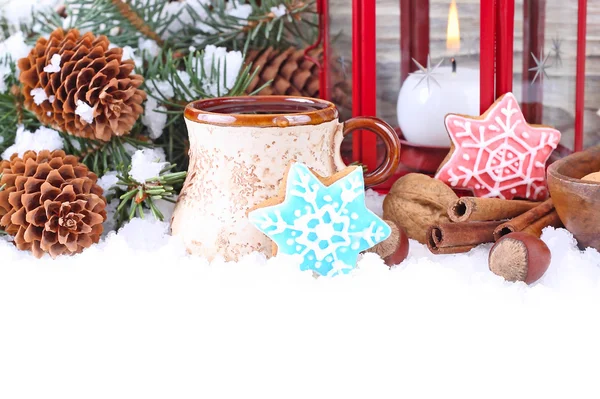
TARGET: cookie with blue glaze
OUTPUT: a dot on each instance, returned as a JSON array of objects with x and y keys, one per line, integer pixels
[{"x": 322, "y": 219}]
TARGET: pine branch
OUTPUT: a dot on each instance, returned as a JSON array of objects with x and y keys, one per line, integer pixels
[
  {"x": 12, "y": 111},
  {"x": 123, "y": 22},
  {"x": 262, "y": 28},
  {"x": 30, "y": 28},
  {"x": 137, "y": 196},
  {"x": 136, "y": 21},
  {"x": 189, "y": 79},
  {"x": 101, "y": 157},
  {"x": 2, "y": 187}
]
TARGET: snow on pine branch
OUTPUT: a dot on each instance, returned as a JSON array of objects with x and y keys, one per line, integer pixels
[
  {"x": 147, "y": 164},
  {"x": 11, "y": 49},
  {"x": 42, "y": 139},
  {"x": 211, "y": 73},
  {"x": 21, "y": 12},
  {"x": 279, "y": 11},
  {"x": 219, "y": 69},
  {"x": 154, "y": 117}
]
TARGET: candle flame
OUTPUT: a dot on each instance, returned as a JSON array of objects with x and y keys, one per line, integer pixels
[{"x": 453, "y": 33}]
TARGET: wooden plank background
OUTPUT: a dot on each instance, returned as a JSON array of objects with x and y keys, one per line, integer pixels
[{"x": 559, "y": 87}]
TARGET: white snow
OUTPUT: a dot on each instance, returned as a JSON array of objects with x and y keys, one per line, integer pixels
[
  {"x": 154, "y": 117},
  {"x": 39, "y": 95},
  {"x": 42, "y": 139},
  {"x": 129, "y": 53},
  {"x": 5, "y": 72},
  {"x": 240, "y": 11},
  {"x": 17, "y": 12},
  {"x": 135, "y": 316},
  {"x": 147, "y": 164},
  {"x": 227, "y": 65},
  {"x": 374, "y": 202},
  {"x": 279, "y": 11},
  {"x": 54, "y": 65},
  {"x": 85, "y": 112},
  {"x": 233, "y": 9},
  {"x": 148, "y": 46},
  {"x": 15, "y": 47},
  {"x": 184, "y": 18},
  {"x": 108, "y": 180},
  {"x": 110, "y": 224},
  {"x": 185, "y": 78}
]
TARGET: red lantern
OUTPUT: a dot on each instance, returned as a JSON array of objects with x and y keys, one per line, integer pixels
[{"x": 420, "y": 29}]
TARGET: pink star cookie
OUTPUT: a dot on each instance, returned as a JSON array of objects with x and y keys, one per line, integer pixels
[{"x": 499, "y": 154}]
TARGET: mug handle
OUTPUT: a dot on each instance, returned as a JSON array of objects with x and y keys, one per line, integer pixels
[{"x": 392, "y": 146}]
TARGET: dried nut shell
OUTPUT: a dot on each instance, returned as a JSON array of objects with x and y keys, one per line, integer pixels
[
  {"x": 520, "y": 257},
  {"x": 417, "y": 201},
  {"x": 395, "y": 248},
  {"x": 592, "y": 177}
]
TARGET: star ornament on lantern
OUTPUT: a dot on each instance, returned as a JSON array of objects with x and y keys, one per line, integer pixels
[
  {"x": 541, "y": 66},
  {"x": 556, "y": 49},
  {"x": 499, "y": 155},
  {"x": 427, "y": 73},
  {"x": 326, "y": 225}
]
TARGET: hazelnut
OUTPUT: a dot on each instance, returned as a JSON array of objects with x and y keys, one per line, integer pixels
[
  {"x": 520, "y": 257},
  {"x": 395, "y": 248}
]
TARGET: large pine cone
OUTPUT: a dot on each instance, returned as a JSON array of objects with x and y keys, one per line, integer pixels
[
  {"x": 90, "y": 75},
  {"x": 291, "y": 73},
  {"x": 51, "y": 203}
]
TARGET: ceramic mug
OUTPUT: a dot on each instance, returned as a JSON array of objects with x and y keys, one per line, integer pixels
[{"x": 240, "y": 148}]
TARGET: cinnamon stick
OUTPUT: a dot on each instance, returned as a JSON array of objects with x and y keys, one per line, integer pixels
[
  {"x": 484, "y": 209},
  {"x": 550, "y": 219},
  {"x": 453, "y": 238},
  {"x": 528, "y": 219}
]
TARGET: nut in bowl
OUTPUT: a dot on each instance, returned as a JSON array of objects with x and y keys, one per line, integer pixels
[{"x": 577, "y": 200}]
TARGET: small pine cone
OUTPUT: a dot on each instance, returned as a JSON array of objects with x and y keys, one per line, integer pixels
[
  {"x": 90, "y": 74},
  {"x": 51, "y": 203},
  {"x": 291, "y": 73}
]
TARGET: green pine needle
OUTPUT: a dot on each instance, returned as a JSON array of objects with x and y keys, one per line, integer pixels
[
  {"x": 138, "y": 196},
  {"x": 107, "y": 17},
  {"x": 101, "y": 157},
  {"x": 188, "y": 77},
  {"x": 262, "y": 28}
]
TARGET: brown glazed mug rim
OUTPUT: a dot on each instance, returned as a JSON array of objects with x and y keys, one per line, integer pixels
[{"x": 295, "y": 111}]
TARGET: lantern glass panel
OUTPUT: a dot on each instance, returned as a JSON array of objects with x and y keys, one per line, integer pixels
[
  {"x": 409, "y": 31},
  {"x": 544, "y": 75}
]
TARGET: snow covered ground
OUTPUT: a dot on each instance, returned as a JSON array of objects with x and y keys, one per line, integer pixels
[{"x": 135, "y": 317}]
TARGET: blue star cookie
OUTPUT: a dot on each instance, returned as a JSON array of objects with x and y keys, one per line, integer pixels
[{"x": 328, "y": 225}]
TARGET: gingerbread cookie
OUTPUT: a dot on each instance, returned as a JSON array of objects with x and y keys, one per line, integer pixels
[
  {"x": 322, "y": 219},
  {"x": 499, "y": 155}
]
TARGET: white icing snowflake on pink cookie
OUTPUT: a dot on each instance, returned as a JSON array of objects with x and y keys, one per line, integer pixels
[{"x": 499, "y": 154}]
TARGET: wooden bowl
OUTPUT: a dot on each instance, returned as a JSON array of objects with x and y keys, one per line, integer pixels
[{"x": 577, "y": 202}]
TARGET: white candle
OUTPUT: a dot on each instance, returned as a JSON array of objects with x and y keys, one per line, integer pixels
[
  {"x": 422, "y": 107},
  {"x": 433, "y": 92}
]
